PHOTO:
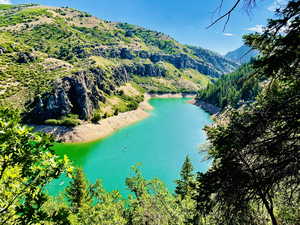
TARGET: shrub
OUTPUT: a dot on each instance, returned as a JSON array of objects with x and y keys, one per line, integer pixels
[
  {"x": 116, "y": 112},
  {"x": 105, "y": 115},
  {"x": 54, "y": 122},
  {"x": 69, "y": 121},
  {"x": 132, "y": 105},
  {"x": 96, "y": 117}
]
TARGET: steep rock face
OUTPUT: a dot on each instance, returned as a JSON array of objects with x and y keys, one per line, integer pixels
[
  {"x": 221, "y": 64},
  {"x": 81, "y": 92},
  {"x": 145, "y": 70},
  {"x": 78, "y": 94},
  {"x": 180, "y": 61},
  {"x": 242, "y": 55},
  {"x": 51, "y": 105}
]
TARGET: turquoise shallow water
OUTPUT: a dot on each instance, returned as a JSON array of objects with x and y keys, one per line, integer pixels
[{"x": 159, "y": 143}]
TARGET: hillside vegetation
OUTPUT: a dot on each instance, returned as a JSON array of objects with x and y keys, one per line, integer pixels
[
  {"x": 232, "y": 89},
  {"x": 60, "y": 61}
]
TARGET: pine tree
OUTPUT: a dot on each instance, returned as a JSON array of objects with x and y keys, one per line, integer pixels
[
  {"x": 186, "y": 178},
  {"x": 77, "y": 193}
]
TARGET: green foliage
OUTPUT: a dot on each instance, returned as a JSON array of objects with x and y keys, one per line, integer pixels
[
  {"x": 77, "y": 192},
  {"x": 58, "y": 40},
  {"x": 27, "y": 164},
  {"x": 91, "y": 204},
  {"x": 256, "y": 147},
  {"x": 155, "y": 85},
  {"x": 5, "y": 6},
  {"x": 96, "y": 117},
  {"x": 153, "y": 204},
  {"x": 103, "y": 36},
  {"x": 23, "y": 16},
  {"x": 156, "y": 39},
  {"x": 69, "y": 120},
  {"x": 132, "y": 102},
  {"x": 186, "y": 183},
  {"x": 232, "y": 88},
  {"x": 124, "y": 103}
]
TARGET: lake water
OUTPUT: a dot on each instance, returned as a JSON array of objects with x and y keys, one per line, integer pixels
[{"x": 159, "y": 144}]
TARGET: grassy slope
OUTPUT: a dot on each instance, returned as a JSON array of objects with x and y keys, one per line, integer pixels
[{"x": 51, "y": 37}]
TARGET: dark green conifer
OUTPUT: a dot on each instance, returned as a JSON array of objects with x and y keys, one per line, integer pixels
[
  {"x": 77, "y": 192},
  {"x": 186, "y": 178}
]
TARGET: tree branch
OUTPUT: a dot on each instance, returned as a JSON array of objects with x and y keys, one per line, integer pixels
[{"x": 228, "y": 14}]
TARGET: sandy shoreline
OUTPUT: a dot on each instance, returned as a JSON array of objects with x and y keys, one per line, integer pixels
[
  {"x": 88, "y": 132},
  {"x": 167, "y": 95}
]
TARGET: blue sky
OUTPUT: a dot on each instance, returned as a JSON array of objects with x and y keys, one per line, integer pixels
[{"x": 185, "y": 21}]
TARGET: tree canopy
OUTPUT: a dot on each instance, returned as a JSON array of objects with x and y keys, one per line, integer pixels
[{"x": 256, "y": 148}]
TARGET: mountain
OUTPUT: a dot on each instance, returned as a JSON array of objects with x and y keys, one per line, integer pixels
[
  {"x": 242, "y": 55},
  {"x": 63, "y": 63}
]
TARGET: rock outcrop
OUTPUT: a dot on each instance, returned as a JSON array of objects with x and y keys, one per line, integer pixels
[
  {"x": 25, "y": 57},
  {"x": 221, "y": 64},
  {"x": 152, "y": 70},
  {"x": 78, "y": 94},
  {"x": 180, "y": 61}
]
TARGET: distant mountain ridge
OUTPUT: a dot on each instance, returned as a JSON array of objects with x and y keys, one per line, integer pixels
[{"x": 242, "y": 55}]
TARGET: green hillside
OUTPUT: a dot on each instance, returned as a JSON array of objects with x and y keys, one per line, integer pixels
[
  {"x": 49, "y": 55},
  {"x": 232, "y": 89}
]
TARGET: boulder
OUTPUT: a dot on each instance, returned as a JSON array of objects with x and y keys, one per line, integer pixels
[{"x": 25, "y": 57}]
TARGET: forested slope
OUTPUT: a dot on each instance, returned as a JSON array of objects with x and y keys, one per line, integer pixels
[{"x": 232, "y": 89}]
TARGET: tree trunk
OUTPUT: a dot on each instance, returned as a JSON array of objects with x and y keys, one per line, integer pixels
[{"x": 269, "y": 209}]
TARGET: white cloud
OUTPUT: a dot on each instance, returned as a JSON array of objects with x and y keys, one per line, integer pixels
[
  {"x": 5, "y": 2},
  {"x": 257, "y": 28},
  {"x": 277, "y": 4},
  {"x": 228, "y": 34}
]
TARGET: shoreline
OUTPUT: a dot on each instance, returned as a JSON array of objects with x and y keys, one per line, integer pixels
[
  {"x": 89, "y": 132},
  {"x": 207, "y": 107},
  {"x": 169, "y": 95}
]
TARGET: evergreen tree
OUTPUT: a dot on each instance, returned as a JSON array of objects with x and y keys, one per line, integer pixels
[
  {"x": 184, "y": 185},
  {"x": 77, "y": 192}
]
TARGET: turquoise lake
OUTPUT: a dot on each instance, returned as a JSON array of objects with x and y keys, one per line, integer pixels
[{"x": 158, "y": 143}]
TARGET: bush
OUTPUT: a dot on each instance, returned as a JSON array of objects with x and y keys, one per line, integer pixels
[
  {"x": 116, "y": 112},
  {"x": 69, "y": 121},
  {"x": 96, "y": 117},
  {"x": 54, "y": 122},
  {"x": 132, "y": 105},
  {"x": 105, "y": 115}
]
